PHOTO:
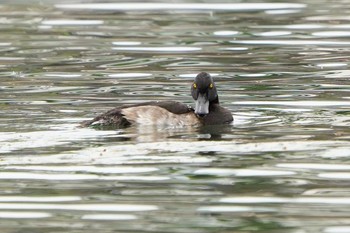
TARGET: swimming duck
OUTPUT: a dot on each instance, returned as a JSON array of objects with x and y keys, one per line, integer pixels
[{"x": 207, "y": 110}]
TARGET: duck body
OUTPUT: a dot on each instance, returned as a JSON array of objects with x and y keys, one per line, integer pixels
[
  {"x": 149, "y": 113},
  {"x": 169, "y": 113}
]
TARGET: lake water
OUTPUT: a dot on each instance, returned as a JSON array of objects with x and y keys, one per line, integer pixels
[{"x": 281, "y": 68}]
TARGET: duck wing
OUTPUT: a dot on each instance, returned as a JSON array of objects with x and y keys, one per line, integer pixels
[
  {"x": 116, "y": 117},
  {"x": 171, "y": 106}
]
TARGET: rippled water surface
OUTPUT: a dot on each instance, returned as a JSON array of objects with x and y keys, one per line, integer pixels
[{"x": 281, "y": 68}]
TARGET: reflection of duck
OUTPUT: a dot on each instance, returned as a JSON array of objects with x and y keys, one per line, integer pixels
[{"x": 206, "y": 112}]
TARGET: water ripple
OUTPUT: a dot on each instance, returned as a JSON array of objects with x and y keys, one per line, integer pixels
[
  {"x": 110, "y": 217},
  {"x": 179, "y": 6},
  {"x": 336, "y": 229},
  {"x": 130, "y": 75},
  {"x": 39, "y": 199},
  {"x": 298, "y": 200},
  {"x": 314, "y": 166},
  {"x": 335, "y": 175},
  {"x": 332, "y": 34},
  {"x": 44, "y": 176},
  {"x": 223, "y": 209},
  {"x": 296, "y": 103},
  {"x": 23, "y": 215},
  {"x": 75, "y": 22},
  {"x": 90, "y": 169},
  {"x": 143, "y": 153},
  {"x": 158, "y": 49},
  {"x": 225, "y": 33},
  {"x": 242, "y": 172},
  {"x": 109, "y": 207},
  {"x": 290, "y": 42},
  {"x": 280, "y": 68}
]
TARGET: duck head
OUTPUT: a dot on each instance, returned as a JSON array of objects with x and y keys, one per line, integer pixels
[{"x": 204, "y": 93}]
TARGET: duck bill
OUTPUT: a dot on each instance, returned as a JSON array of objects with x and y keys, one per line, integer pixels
[{"x": 202, "y": 105}]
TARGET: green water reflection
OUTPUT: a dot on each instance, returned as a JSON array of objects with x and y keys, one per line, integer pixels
[{"x": 282, "y": 70}]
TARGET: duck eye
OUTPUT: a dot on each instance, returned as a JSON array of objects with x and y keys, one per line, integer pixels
[
  {"x": 211, "y": 85},
  {"x": 194, "y": 85}
]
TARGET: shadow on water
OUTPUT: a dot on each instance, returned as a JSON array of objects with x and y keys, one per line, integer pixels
[
  {"x": 215, "y": 132},
  {"x": 156, "y": 133}
]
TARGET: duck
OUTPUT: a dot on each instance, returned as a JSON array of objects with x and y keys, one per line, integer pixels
[{"x": 207, "y": 110}]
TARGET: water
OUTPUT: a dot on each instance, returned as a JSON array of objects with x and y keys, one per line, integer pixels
[{"x": 282, "y": 69}]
